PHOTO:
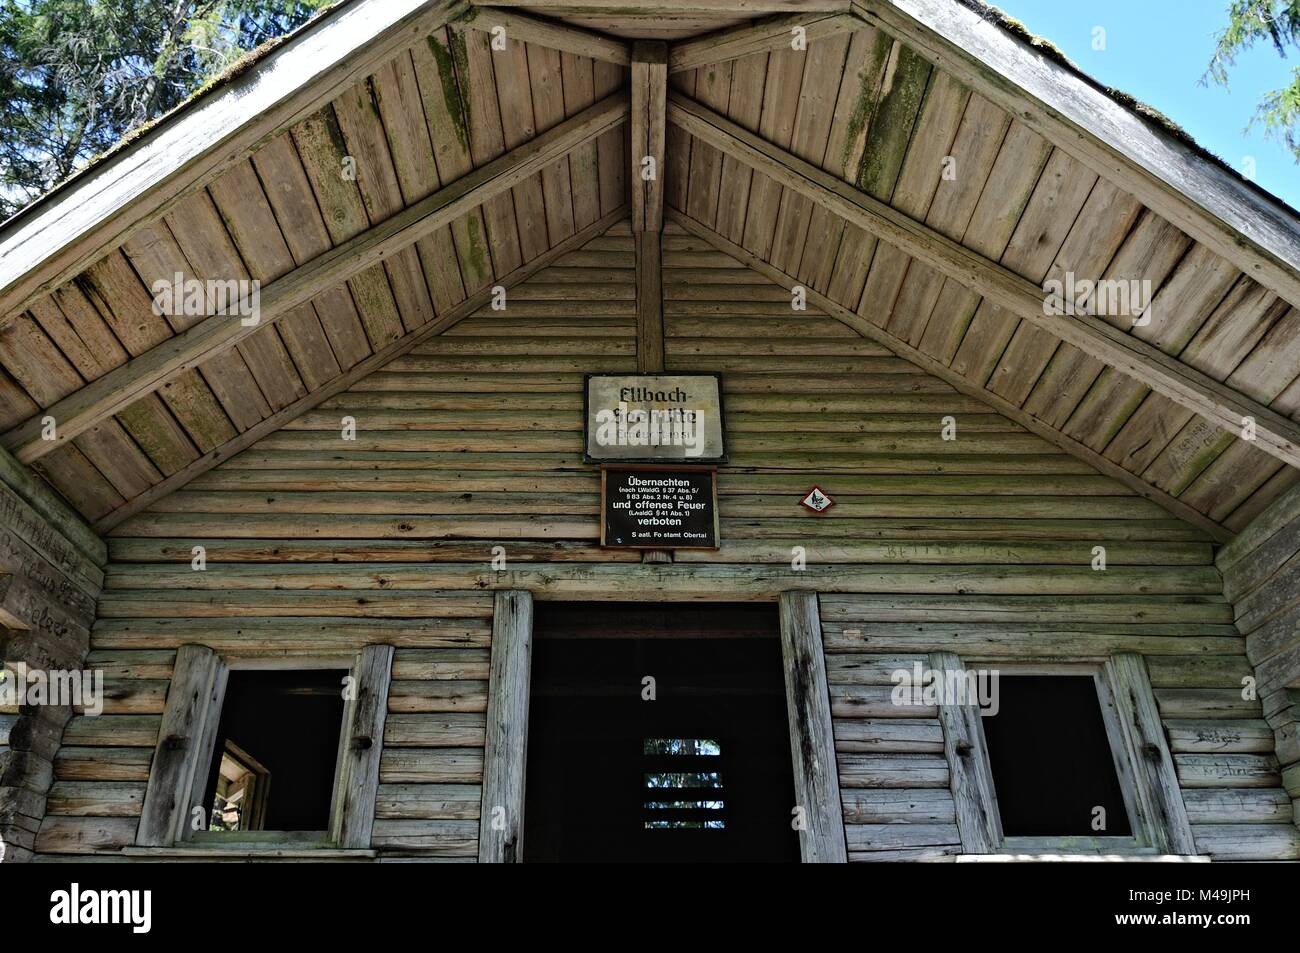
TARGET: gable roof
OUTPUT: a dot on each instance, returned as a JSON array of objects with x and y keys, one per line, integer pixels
[{"x": 824, "y": 167}]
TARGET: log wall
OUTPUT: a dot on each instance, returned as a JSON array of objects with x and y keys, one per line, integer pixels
[
  {"x": 468, "y": 450},
  {"x": 1261, "y": 575}
]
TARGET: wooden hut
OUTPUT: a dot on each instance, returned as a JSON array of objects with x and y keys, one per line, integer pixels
[{"x": 1005, "y": 373}]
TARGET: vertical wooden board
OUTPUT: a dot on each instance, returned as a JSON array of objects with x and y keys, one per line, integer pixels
[
  {"x": 401, "y": 108},
  {"x": 892, "y": 119},
  {"x": 1007, "y": 191},
  {"x": 785, "y": 73},
  {"x": 974, "y": 150},
  {"x": 1183, "y": 304},
  {"x": 970, "y": 773},
  {"x": 257, "y": 235},
  {"x": 108, "y": 447},
  {"x": 649, "y": 302},
  {"x": 505, "y": 756},
  {"x": 80, "y": 483},
  {"x": 578, "y": 86},
  {"x": 362, "y": 750},
  {"x": 1230, "y": 333},
  {"x": 678, "y": 146},
  {"x": 822, "y": 72},
  {"x": 447, "y": 120},
  {"x": 1149, "y": 254},
  {"x": 1105, "y": 221},
  {"x": 180, "y": 761},
  {"x": 125, "y": 304},
  {"x": 611, "y": 145},
  {"x": 1061, "y": 191},
  {"x": 518, "y": 125},
  {"x": 148, "y": 420},
  {"x": 207, "y": 245},
  {"x": 546, "y": 81},
  {"x": 156, "y": 257},
  {"x": 290, "y": 194},
  {"x": 713, "y": 89},
  {"x": 920, "y": 172},
  {"x": 1162, "y": 813},
  {"x": 15, "y": 405},
  {"x": 325, "y": 160},
  {"x": 744, "y": 106},
  {"x": 812, "y": 741},
  {"x": 103, "y": 350},
  {"x": 487, "y": 141},
  {"x": 855, "y": 105},
  {"x": 31, "y": 358},
  {"x": 363, "y": 133}
]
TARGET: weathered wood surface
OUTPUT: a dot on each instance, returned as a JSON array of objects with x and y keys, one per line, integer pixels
[
  {"x": 362, "y": 749},
  {"x": 973, "y": 793},
  {"x": 1261, "y": 574},
  {"x": 501, "y": 827},
  {"x": 998, "y": 285},
  {"x": 1162, "y": 815},
  {"x": 124, "y": 385},
  {"x": 1185, "y": 188},
  {"x": 313, "y": 547},
  {"x": 60, "y": 236},
  {"x": 812, "y": 744},
  {"x": 181, "y": 759}
]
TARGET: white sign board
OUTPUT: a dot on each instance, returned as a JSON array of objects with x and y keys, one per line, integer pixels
[{"x": 654, "y": 418}]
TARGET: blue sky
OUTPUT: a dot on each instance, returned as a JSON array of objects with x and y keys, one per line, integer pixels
[{"x": 1157, "y": 51}]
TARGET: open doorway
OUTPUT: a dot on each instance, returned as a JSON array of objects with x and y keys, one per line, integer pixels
[{"x": 658, "y": 733}]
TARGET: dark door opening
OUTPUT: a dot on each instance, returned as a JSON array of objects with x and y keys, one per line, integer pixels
[{"x": 700, "y": 773}]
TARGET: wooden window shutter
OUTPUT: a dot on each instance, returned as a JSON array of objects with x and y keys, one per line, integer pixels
[
  {"x": 363, "y": 747},
  {"x": 812, "y": 742},
  {"x": 184, "y": 752}
]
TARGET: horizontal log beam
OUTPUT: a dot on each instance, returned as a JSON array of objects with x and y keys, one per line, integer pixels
[
  {"x": 928, "y": 364},
  {"x": 144, "y": 374},
  {"x": 756, "y": 37},
  {"x": 548, "y": 33},
  {"x": 1246, "y": 226},
  {"x": 59, "y": 235},
  {"x": 1000, "y": 286}
]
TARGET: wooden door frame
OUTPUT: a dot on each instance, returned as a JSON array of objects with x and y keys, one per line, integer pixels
[{"x": 818, "y": 812}]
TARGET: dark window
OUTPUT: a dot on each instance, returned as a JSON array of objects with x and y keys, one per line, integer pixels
[
  {"x": 701, "y": 773},
  {"x": 277, "y": 750},
  {"x": 1051, "y": 759}
]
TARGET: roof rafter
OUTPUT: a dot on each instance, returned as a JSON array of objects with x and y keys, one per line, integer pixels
[
  {"x": 937, "y": 368},
  {"x": 548, "y": 33},
  {"x": 755, "y": 37},
  {"x": 366, "y": 367},
  {"x": 1259, "y": 236},
  {"x": 1181, "y": 383},
  {"x": 145, "y": 373},
  {"x": 60, "y": 235}
]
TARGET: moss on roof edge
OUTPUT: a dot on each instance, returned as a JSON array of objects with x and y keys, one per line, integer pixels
[{"x": 1144, "y": 111}]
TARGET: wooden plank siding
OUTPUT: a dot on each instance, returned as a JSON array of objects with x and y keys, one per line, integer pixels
[
  {"x": 421, "y": 121},
  {"x": 978, "y": 546},
  {"x": 962, "y": 165}
]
